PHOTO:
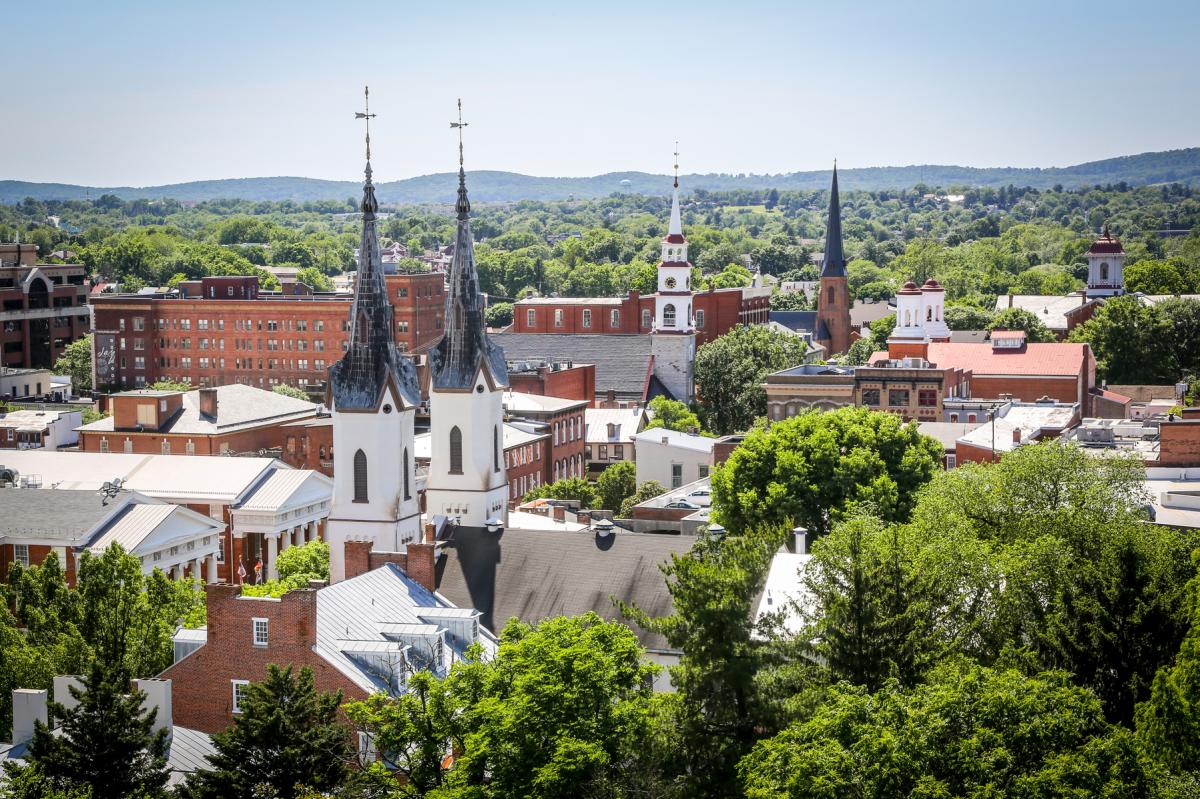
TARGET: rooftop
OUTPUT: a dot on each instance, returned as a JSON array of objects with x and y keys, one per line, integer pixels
[
  {"x": 517, "y": 402},
  {"x": 673, "y": 438},
  {"x": 1058, "y": 359},
  {"x": 622, "y": 360},
  {"x": 1052, "y": 310},
  {"x": 627, "y": 421},
  {"x": 239, "y": 407}
]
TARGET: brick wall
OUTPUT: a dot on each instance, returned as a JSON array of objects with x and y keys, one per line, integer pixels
[
  {"x": 418, "y": 561},
  {"x": 202, "y": 683},
  {"x": 1179, "y": 441}
]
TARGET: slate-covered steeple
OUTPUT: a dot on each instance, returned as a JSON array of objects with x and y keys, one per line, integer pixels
[
  {"x": 358, "y": 380},
  {"x": 834, "y": 262},
  {"x": 465, "y": 347}
]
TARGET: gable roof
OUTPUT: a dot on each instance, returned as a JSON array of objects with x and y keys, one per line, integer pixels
[
  {"x": 534, "y": 574},
  {"x": 623, "y": 361},
  {"x": 628, "y": 422},
  {"x": 62, "y": 515},
  {"x": 1051, "y": 310},
  {"x": 805, "y": 321}
]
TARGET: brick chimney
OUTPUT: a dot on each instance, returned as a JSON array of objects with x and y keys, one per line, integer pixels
[
  {"x": 422, "y": 559},
  {"x": 208, "y": 402},
  {"x": 357, "y": 558}
]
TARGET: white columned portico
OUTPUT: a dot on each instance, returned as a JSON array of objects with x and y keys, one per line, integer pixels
[
  {"x": 212, "y": 569},
  {"x": 285, "y": 539},
  {"x": 272, "y": 555},
  {"x": 198, "y": 569}
]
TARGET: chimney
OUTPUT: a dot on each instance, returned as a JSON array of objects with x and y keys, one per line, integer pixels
[
  {"x": 208, "y": 402},
  {"x": 62, "y": 690},
  {"x": 420, "y": 564},
  {"x": 29, "y": 707},
  {"x": 430, "y": 532},
  {"x": 158, "y": 699},
  {"x": 1010, "y": 299},
  {"x": 800, "y": 537},
  {"x": 560, "y": 513},
  {"x": 612, "y": 398}
]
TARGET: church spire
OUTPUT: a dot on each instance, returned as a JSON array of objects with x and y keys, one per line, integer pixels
[
  {"x": 372, "y": 359},
  {"x": 834, "y": 262},
  {"x": 465, "y": 346}
]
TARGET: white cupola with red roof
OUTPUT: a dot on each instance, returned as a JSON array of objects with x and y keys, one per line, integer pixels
[
  {"x": 933, "y": 303},
  {"x": 1106, "y": 267},
  {"x": 673, "y": 304}
]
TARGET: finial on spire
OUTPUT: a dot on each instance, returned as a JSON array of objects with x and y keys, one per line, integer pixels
[
  {"x": 462, "y": 206},
  {"x": 367, "y": 116},
  {"x": 676, "y": 163}
]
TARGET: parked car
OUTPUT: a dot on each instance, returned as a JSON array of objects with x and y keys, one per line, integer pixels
[
  {"x": 701, "y": 496},
  {"x": 682, "y": 504}
]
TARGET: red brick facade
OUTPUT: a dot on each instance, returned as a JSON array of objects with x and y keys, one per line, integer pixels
[
  {"x": 716, "y": 312},
  {"x": 565, "y": 380},
  {"x": 1179, "y": 440},
  {"x": 247, "y": 337},
  {"x": 202, "y": 682},
  {"x": 833, "y": 315},
  {"x": 44, "y": 307}
]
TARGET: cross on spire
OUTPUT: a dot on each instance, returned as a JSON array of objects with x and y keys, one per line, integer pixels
[
  {"x": 459, "y": 125},
  {"x": 366, "y": 115},
  {"x": 676, "y": 164}
]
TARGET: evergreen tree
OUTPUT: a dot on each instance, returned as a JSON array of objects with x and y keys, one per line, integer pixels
[
  {"x": 107, "y": 745},
  {"x": 286, "y": 741}
]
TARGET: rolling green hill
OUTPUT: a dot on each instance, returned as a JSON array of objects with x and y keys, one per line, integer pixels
[{"x": 494, "y": 186}]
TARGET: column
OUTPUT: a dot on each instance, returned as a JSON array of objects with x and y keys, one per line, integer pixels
[
  {"x": 310, "y": 531},
  {"x": 298, "y": 535},
  {"x": 176, "y": 571},
  {"x": 212, "y": 568},
  {"x": 272, "y": 552},
  {"x": 285, "y": 539},
  {"x": 198, "y": 569}
]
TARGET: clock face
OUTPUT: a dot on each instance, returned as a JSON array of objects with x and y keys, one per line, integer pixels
[{"x": 671, "y": 282}]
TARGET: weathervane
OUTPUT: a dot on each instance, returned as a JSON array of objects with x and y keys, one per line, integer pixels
[
  {"x": 459, "y": 125},
  {"x": 676, "y": 163},
  {"x": 366, "y": 114}
]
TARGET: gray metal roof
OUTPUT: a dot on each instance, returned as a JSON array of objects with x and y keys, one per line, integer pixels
[
  {"x": 188, "y": 751},
  {"x": 534, "y": 575},
  {"x": 805, "y": 321},
  {"x": 623, "y": 362},
  {"x": 238, "y": 407},
  {"x": 62, "y": 515}
]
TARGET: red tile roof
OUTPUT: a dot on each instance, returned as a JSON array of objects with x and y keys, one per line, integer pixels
[
  {"x": 1106, "y": 244},
  {"x": 1112, "y": 395},
  {"x": 1065, "y": 360}
]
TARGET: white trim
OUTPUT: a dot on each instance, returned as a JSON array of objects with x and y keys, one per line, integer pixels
[
  {"x": 266, "y": 628},
  {"x": 236, "y": 707}
]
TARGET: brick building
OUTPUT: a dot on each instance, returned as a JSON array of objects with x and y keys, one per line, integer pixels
[
  {"x": 221, "y": 420},
  {"x": 564, "y": 379},
  {"x": 716, "y": 312},
  {"x": 225, "y": 330},
  {"x": 565, "y": 419},
  {"x": 364, "y": 635},
  {"x": 911, "y": 388},
  {"x": 526, "y": 456},
  {"x": 44, "y": 307}
]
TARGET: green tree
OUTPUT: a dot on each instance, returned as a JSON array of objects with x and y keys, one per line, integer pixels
[
  {"x": 315, "y": 279},
  {"x": 673, "y": 415},
  {"x": 1157, "y": 277},
  {"x": 970, "y": 732},
  {"x": 730, "y": 371},
  {"x": 286, "y": 742},
  {"x": 722, "y": 709},
  {"x": 790, "y": 301},
  {"x": 171, "y": 385},
  {"x": 814, "y": 468},
  {"x": 500, "y": 314},
  {"x": 107, "y": 744},
  {"x": 967, "y": 317},
  {"x": 291, "y": 391},
  {"x": 647, "y": 490},
  {"x": 566, "y": 488},
  {"x": 1169, "y": 720},
  {"x": 76, "y": 363},
  {"x": 1132, "y": 342},
  {"x": 615, "y": 484},
  {"x": 308, "y": 561},
  {"x": 1021, "y": 319}
]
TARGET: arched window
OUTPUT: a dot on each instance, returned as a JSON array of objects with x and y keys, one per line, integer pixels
[
  {"x": 455, "y": 450},
  {"x": 1104, "y": 271},
  {"x": 360, "y": 476},
  {"x": 929, "y": 314},
  {"x": 646, "y": 318},
  {"x": 908, "y": 318},
  {"x": 407, "y": 486},
  {"x": 668, "y": 315},
  {"x": 829, "y": 295},
  {"x": 700, "y": 319},
  {"x": 496, "y": 448}
]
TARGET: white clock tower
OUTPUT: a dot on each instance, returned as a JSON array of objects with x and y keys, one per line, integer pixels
[{"x": 674, "y": 334}]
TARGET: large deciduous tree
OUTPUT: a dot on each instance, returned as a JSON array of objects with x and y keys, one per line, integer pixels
[
  {"x": 730, "y": 370},
  {"x": 811, "y": 469},
  {"x": 1021, "y": 319},
  {"x": 76, "y": 363}
]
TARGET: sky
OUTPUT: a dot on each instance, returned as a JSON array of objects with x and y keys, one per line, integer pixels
[{"x": 147, "y": 93}]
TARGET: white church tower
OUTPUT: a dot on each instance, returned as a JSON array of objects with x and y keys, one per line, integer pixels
[
  {"x": 373, "y": 393},
  {"x": 673, "y": 341},
  {"x": 467, "y": 478},
  {"x": 1106, "y": 267}
]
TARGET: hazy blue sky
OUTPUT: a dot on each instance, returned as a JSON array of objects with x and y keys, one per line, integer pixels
[{"x": 137, "y": 93}]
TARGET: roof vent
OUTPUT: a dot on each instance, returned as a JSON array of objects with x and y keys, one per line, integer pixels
[{"x": 603, "y": 527}]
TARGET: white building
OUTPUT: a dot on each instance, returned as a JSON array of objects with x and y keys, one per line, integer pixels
[
  {"x": 609, "y": 433},
  {"x": 673, "y": 342},
  {"x": 38, "y": 429},
  {"x": 264, "y": 504},
  {"x": 374, "y": 395},
  {"x": 672, "y": 458},
  {"x": 467, "y": 479}
]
